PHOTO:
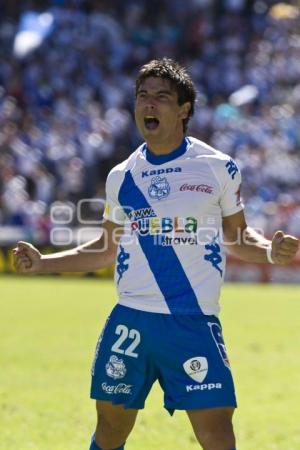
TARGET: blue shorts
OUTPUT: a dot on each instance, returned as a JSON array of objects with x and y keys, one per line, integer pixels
[{"x": 185, "y": 353}]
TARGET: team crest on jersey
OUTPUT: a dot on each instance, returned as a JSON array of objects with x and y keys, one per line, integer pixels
[
  {"x": 159, "y": 188},
  {"x": 115, "y": 368},
  {"x": 196, "y": 368}
]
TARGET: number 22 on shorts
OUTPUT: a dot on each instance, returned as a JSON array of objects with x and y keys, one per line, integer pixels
[{"x": 124, "y": 333}]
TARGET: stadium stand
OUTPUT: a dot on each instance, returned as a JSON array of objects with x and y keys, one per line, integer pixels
[{"x": 66, "y": 108}]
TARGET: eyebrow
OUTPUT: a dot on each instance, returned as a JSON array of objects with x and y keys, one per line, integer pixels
[{"x": 162, "y": 91}]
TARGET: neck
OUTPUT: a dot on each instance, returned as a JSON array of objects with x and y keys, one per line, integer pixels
[{"x": 164, "y": 148}]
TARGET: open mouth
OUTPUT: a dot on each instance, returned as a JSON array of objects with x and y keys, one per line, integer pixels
[{"x": 151, "y": 122}]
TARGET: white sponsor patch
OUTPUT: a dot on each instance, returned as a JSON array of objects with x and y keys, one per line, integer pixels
[
  {"x": 196, "y": 368},
  {"x": 120, "y": 388}
]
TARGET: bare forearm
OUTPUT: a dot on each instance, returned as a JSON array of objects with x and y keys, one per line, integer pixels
[
  {"x": 85, "y": 258},
  {"x": 249, "y": 246},
  {"x": 246, "y": 244}
]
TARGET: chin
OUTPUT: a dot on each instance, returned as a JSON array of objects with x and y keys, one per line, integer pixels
[
  {"x": 147, "y": 132},
  {"x": 152, "y": 139}
]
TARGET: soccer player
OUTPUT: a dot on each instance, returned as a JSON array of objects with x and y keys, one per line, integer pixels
[{"x": 176, "y": 201}]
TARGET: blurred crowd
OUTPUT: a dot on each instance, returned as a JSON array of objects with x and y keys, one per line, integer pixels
[{"x": 66, "y": 109}]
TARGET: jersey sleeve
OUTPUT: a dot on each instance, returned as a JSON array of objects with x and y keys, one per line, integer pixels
[
  {"x": 113, "y": 210},
  {"x": 230, "y": 199}
]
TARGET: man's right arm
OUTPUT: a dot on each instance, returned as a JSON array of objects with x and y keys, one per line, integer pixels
[{"x": 93, "y": 255}]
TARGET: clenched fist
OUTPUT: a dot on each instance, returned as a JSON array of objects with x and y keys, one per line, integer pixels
[
  {"x": 27, "y": 258},
  {"x": 284, "y": 248}
]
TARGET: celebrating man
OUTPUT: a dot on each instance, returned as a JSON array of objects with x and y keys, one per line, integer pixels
[{"x": 177, "y": 203}]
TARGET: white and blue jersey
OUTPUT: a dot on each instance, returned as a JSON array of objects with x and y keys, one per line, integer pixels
[
  {"x": 169, "y": 270},
  {"x": 170, "y": 257}
]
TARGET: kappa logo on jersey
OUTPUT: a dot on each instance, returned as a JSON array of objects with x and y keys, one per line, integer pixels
[
  {"x": 232, "y": 168},
  {"x": 150, "y": 173},
  {"x": 115, "y": 368},
  {"x": 196, "y": 368},
  {"x": 121, "y": 267},
  {"x": 214, "y": 256},
  {"x": 216, "y": 332},
  {"x": 159, "y": 188}
]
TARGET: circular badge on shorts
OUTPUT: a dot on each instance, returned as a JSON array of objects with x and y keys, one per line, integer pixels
[{"x": 196, "y": 368}]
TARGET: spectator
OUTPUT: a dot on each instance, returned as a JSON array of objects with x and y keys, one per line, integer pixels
[{"x": 66, "y": 107}]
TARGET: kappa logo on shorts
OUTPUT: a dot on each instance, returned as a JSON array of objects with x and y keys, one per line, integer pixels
[
  {"x": 216, "y": 332},
  {"x": 196, "y": 368},
  {"x": 203, "y": 387},
  {"x": 98, "y": 347},
  {"x": 115, "y": 368}
]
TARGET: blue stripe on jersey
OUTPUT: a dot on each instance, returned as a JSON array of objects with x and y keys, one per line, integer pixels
[
  {"x": 161, "y": 159},
  {"x": 163, "y": 261}
]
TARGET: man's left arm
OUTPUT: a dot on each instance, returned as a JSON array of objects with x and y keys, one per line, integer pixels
[{"x": 248, "y": 245}]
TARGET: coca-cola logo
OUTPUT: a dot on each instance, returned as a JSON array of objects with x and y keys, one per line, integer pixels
[
  {"x": 197, "y": 188},
  {"x": 120, "y": 388}
]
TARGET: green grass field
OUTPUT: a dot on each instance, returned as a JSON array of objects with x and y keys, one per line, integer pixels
[{"x": 48, "y": 330}]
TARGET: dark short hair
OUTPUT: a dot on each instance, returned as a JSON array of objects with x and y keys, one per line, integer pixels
[{"x": 169, "y": 69}]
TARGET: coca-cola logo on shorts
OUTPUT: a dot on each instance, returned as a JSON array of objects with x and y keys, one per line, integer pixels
[
  {"x": 120, "y": 388},
  {"x": 197, "y": 188}
]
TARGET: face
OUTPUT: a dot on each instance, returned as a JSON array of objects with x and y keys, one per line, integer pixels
[{"x": 158, "y": 115}]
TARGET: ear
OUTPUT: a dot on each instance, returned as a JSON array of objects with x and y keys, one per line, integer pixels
[{"x": 184, "y": 110}]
